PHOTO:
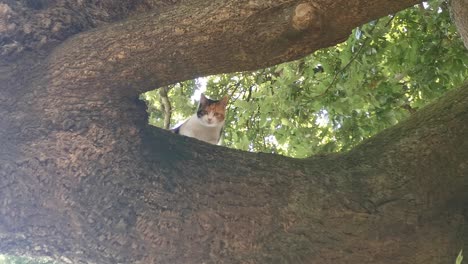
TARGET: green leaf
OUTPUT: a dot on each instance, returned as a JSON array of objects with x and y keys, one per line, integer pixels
[{"x": 459, "y": 257}]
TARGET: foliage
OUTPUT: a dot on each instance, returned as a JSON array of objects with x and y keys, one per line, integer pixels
[
  {"x": 333, "y": 99},
  {"x": 7, "y": 259}
]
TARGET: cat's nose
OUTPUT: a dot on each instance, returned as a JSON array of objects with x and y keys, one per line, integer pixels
[{"x": 209, "y": 119}]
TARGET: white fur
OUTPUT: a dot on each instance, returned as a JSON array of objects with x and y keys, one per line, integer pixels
[{"x": 202, "y": 129}]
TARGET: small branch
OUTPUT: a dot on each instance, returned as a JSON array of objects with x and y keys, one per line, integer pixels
[{"x": 166, "y": 104}]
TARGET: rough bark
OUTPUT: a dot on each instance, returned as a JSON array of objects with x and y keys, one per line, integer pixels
[
  {"x": 41, "y": 24},
  {"x": 459, "y": 9},
  {"x": 83, "y": 178}
]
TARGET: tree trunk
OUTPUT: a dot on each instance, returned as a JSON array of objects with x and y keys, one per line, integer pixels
[
  {"x": 459, "y": 9},
  {"x": 84, "y": 178}
]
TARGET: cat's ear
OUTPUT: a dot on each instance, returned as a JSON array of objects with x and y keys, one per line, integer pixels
[
  {"x": 225, "y": 100},
  {"x": 203, "y": 99}
]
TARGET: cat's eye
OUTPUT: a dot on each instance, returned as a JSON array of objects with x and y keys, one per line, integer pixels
[{"x": 217, "y": 114}]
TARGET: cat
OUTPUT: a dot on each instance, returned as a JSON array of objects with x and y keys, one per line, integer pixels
[{"x": 207, "y": 123}]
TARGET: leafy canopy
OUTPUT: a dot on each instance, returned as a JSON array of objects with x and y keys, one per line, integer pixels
[{"x": 333, "y": 99}]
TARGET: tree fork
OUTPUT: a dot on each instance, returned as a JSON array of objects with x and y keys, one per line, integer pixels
[{"x": 83, "y": 178}]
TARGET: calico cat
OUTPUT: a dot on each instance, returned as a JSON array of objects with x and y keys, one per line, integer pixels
[{"x": 207, "y": 123}]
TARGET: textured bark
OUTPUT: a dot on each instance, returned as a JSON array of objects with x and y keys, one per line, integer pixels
[
  {"x": 83, "y": 178},
  {"x": 459, "y": 9},
  {"x": 41, "y": 24}
]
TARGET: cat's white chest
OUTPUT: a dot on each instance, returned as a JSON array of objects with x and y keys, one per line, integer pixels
[{"x": 196, "y": 129}]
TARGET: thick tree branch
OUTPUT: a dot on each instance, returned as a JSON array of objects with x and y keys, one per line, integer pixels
[
  {"x": 390, "y": 200},
  {"x": 158, "y": 49},
  {"x": 83, "y": 178}
]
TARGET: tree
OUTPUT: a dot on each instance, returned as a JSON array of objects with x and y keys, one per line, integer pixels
[{"x": 83, "y": 178}]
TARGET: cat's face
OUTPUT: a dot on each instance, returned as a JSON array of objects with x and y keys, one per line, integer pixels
[{"x": 211, "y": 112}]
